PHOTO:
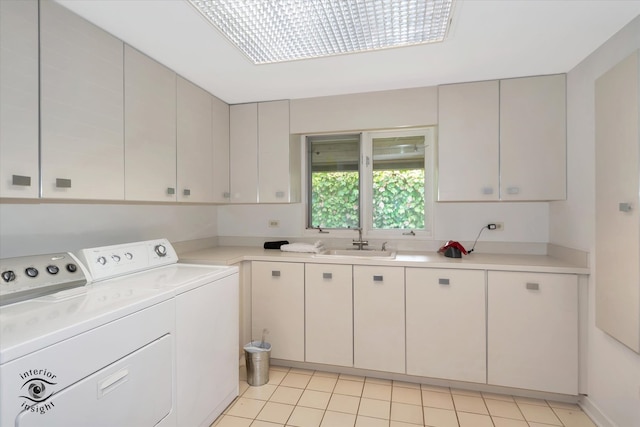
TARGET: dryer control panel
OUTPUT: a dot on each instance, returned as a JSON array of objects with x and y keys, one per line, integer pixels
[
  {"x": 32, "y": 276},
  {"x": 106, "y": 262}
]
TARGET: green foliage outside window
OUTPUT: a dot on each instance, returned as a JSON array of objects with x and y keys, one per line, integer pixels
[
  {"x": 335, "y": 200},
  {"x": 398, "y": 199}
]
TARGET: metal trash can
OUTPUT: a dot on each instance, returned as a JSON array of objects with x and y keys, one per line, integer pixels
[{"x": 256, "y": 355}]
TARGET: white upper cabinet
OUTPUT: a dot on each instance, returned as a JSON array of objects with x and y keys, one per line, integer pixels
[
  {"x": 19, "y": 176},
  {"x": 243, "y": 153},
  {"x": 264, "y": 161},
  {"x": 533, "y": 138},
  {"x": 195, "y": 143},
  {"x": 468, "y": 142},
  {"x": 150, "y": 129},
  {"x": 82, "y": 108},
  {"x": 503, "y": 140},
  {"x": 220, "y": 117},
  {"x": 278, "y": 155}
]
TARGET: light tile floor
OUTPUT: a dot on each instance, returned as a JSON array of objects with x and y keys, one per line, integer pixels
[{"x": 302, "y": 398}]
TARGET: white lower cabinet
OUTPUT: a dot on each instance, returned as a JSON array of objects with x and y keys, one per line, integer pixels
[
  {"x": 378, "y": 318},
  {"x": 533, "y": 331},
  {"x": 446, "y": 326},
  {"x": 329, "y": 314},
  {"x": 277, "y": 304}
]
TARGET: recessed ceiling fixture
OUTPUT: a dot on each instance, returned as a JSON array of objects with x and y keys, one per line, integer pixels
[{"x": 269, "y": 31}]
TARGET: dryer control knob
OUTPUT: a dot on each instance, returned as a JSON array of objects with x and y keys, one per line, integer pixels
[
  {"x": 116, "y": 258},
  {"x": 161, "y": 250},
  {"x": 128, "y": 255},
  {"x": 31, "y": 272},
  {"x": 72, "y": 268},
  {"x": 102, "y": 260},
  {"x": 53, "y": 269}
]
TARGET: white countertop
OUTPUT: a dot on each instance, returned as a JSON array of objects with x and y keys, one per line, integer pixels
[{"x": 228, "y": 255}]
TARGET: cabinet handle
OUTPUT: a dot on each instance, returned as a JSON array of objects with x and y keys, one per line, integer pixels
[
  {"x": 63, "y": 183},
  {"x": 171, "y": 190},
  {"x": 443, "y": 281},
  {"x": 533, "y": 286},
  {"x": 21, "y": 180},
  {"x": 275, "y": 273},
  {"x": 226, "y": 195},
  {"x": 377, "y": 278},
  {"x": 624, "y": 207},
  {"x": 279, "y": 194},
  {"x": 487, "y": 190},
  {"x": 186, "y": 192},
  {"x": 327, "y": 275},
  {"x": 513, "y": 190}
]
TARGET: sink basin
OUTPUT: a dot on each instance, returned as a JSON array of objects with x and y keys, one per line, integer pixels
[{"x": 358, "y": 253}]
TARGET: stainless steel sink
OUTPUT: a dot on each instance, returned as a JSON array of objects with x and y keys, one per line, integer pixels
[{"x": 358, "y": 253}]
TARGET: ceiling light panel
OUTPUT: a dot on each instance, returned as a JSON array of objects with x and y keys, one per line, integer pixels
[{"x": 270, "y": 31}]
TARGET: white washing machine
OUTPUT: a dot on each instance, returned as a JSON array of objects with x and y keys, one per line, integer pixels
[{"x": 146, "y": 342}]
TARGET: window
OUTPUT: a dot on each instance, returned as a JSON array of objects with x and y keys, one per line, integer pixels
[{"x": 377, "y": 181}]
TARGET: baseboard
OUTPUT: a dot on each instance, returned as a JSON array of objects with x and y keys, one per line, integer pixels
[{"x": 593, "y": 411}]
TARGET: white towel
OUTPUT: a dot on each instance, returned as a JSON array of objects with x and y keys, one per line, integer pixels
[{"x": 314, "y": 248}]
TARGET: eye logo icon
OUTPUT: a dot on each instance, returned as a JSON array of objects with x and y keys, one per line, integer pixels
[{"x": 37, "y": 389}]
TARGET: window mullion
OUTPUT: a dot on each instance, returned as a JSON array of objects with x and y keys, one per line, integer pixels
[{"x": 366, "y": 183}]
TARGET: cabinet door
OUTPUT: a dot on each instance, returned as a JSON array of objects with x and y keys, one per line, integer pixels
[
  {"x": 618, "y": 225},
  {"x": 19, "y": 99},
  {"x": 533, "y": 138},
  {"x": 468, "y": 142},
  {"x": 150, "y": 128},
  {"x": 206, "y": 350},
  {"x": 195, "y": 143},
  {"x": 277, "y": 304},
  {"x": 220, "y": 112},
  {"x": 273, "y": 152},
  {"x": 329, "y": 314},
  {"x": 533, "y": 331},
  {"x": 82, "y": 103},
  {"x": 378, "y": 318},
  {"x": 446, "y": 326},
  {"x": 243, "y": 153}
]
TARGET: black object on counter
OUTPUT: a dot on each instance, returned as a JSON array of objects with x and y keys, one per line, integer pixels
[{"x": 275, "y": 245}]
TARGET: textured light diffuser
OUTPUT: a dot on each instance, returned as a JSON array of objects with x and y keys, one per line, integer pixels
[{"x": 270, "y": 31}]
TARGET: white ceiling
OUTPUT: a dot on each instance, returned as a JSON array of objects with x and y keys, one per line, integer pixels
[{"x": 488, "y": 39}]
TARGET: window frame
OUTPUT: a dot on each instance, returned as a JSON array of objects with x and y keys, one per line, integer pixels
[{"x": 366, "y": 187}]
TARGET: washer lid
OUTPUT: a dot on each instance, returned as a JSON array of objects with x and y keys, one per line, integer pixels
[{"x": 33, "y": 324}]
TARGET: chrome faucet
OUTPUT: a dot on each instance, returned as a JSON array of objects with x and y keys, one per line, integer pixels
[{"x": 360, "y": 243}]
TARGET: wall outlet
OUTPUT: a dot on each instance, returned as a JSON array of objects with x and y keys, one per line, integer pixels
[
  {"x": 274, "y": 223},
  {"x": 499, "y": 226}
]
